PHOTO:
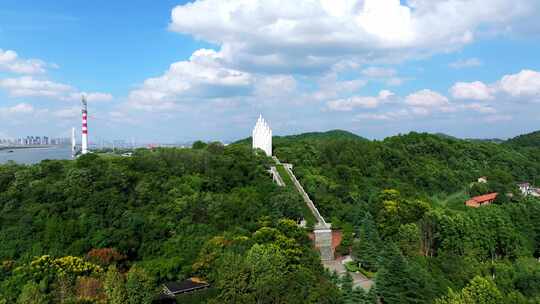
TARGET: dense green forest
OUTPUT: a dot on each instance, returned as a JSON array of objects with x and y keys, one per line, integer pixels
[
  {"x": 526, "y": 140},
  {"x": 112, "y": 229}
]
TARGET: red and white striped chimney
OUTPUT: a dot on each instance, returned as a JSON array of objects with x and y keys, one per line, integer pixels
[{"x": 84, "y": 142}]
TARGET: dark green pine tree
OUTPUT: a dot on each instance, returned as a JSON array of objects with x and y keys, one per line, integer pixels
[
  {"x": 358, "y": 296},
  {"x": 347, "y": 288},
  {"x": 395, "y": 281},
  {"x": 366, "y": 249},
  {"x": 371, "y": 296}
]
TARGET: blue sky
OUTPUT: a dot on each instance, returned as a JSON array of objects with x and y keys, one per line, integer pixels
[{"x": 166, "y": 71}]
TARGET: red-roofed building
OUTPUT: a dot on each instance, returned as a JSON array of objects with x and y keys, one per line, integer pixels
[{"x": 481, "y": 200}]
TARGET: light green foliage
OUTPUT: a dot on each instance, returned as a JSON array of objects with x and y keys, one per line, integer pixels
[
  {"x": 31, "y": 294},
  {"x": 352, "y": 266},
  {"x": 277, "y": 267},
  {"x": 47, "y": 267},
  {"x": 395, "y": 211},
  {"x": 408, "y": 239},
  {"x": 114, "y": 287},
  {"x": 479, "y": 291},
  {"x": 267, "y": 267},
  {"x": 159, "y": 207},
  {"x": 140, "y": 287}
]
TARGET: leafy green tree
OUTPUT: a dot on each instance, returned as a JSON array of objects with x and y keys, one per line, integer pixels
[
  {"x": 216, "y": 147},
  {"x": 114, "y": 287},
  {"x": 31, "y": 294},
  {"x": 515, "y": 297},
  {"x": 267, "y": 265},
  {"x": 479, "y": 291},
  {"x": 479, "y": 189},
  {"x": 199, "y": 145},
  {"x": 139, "y": 287},
  {"x": 527, "y": 277},
  {"x": 287, "y": 203},
  {"x": 231, "y": 276},
  {"x": 408, "y": 239}
]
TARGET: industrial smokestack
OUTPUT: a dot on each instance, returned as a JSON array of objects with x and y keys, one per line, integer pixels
[{"x": 84, "y": 143}]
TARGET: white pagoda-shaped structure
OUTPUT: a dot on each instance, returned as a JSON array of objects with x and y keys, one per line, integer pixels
[{"x": 262, "y": 136}]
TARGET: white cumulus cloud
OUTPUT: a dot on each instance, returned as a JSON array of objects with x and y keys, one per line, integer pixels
[
  {"x": 523, "y": 84},
  {"x": 426, "y": 99},
  {"x": 10, "y": 61},
  {"x": 28, "y": 86},
  {"x": 311, "y": 35},
  {"x": 202, "y": 76},
  {"x": 369, "y": 102},
  {"x": 476, "y": 90}
]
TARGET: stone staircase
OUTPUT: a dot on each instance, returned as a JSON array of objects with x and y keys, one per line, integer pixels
[
  {"x": 322, "y": 229},
  {"x": 276, "y": 177}
]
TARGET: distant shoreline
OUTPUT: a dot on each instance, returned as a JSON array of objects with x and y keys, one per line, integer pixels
[{"x": 29, "y": 147}]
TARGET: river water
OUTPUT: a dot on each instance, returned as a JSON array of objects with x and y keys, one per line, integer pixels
[{"x": 34, "y": 155}]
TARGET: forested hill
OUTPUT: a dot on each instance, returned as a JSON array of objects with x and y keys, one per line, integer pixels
[
  {"x": 317, "y": 136},
  {"x": 403, "y": 198},
  {"x": 110, "y": 228},
  {"x": 415, "y": 163},
  {"x": 328, "y": 135},
  {"x": 526, "y": 140}
]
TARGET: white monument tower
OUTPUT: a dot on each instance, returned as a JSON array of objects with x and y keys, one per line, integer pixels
[{"x": 262, "y": 136}]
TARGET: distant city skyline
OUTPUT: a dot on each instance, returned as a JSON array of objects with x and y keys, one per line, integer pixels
[
  {"x": 178, "y": 71},
  {"x": 33, "y": 140}
]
